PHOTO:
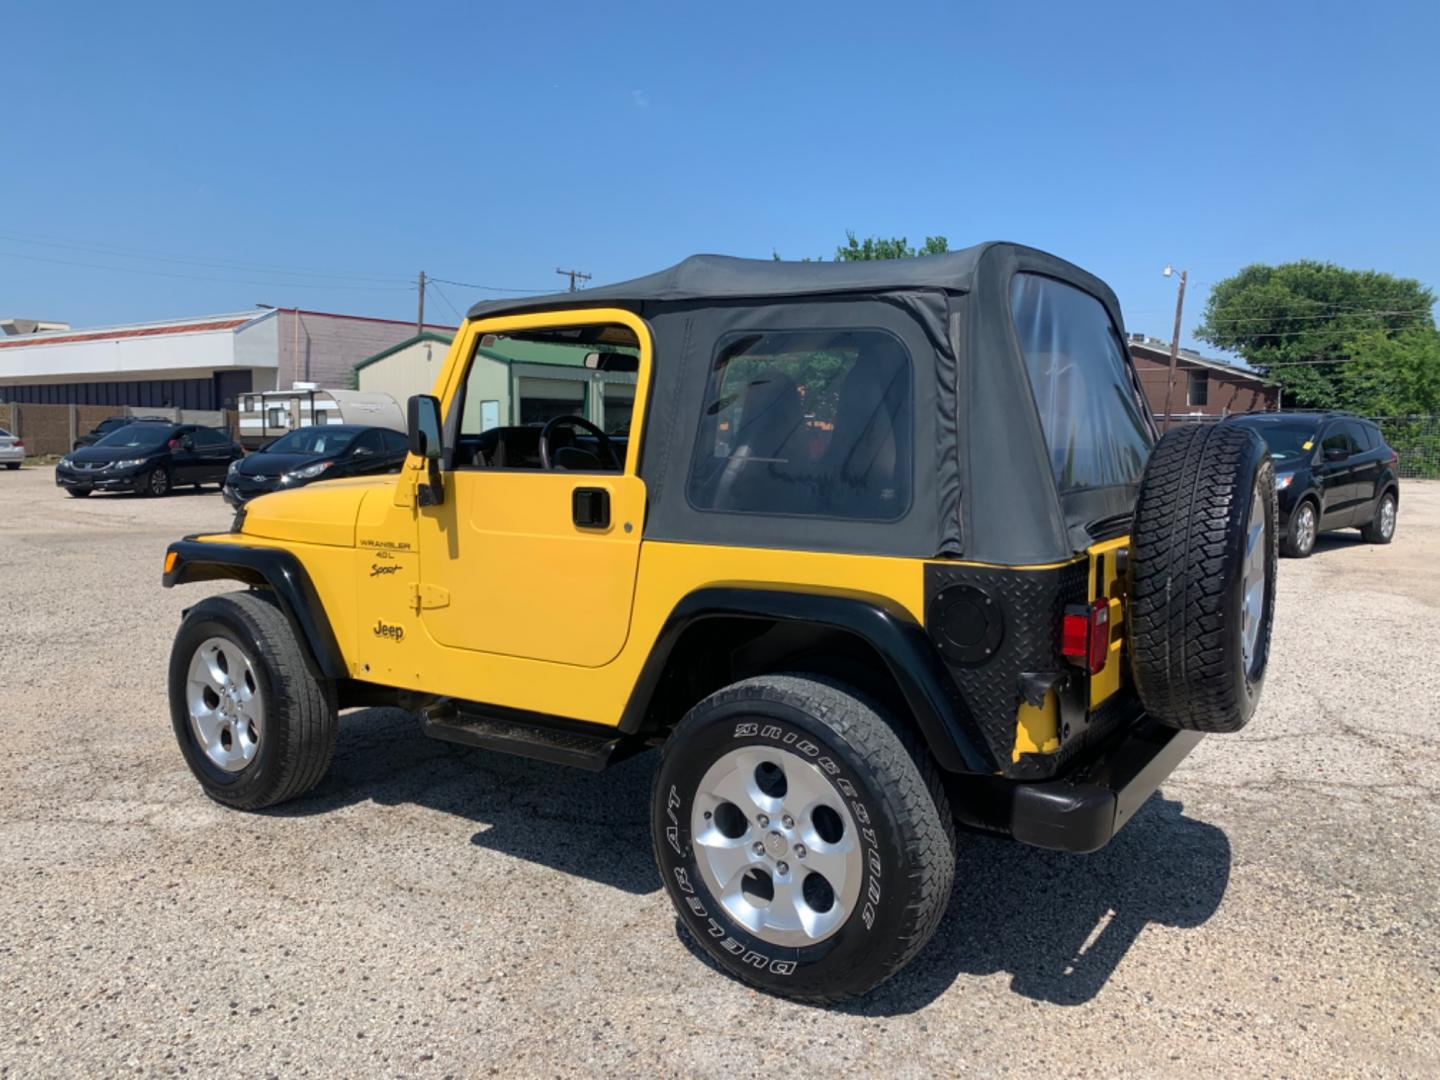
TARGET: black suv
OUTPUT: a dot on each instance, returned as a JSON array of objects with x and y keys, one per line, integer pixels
[
  {"x": 324, "y": 451},
  {"x": 1332, "y": 471},
  {"x": 150, "y": 458},
  {"x": 112, "y": 424}
]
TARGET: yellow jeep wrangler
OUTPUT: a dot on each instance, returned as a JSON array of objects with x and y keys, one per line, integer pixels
[{"x": 868, "y": 550}]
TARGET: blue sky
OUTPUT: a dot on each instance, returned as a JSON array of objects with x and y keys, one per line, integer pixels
[{"x": 258, "y": 147}]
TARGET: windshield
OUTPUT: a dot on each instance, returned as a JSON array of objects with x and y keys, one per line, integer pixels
[
  {"x": 141, "y": 436},
  {"x": 1288, "y": 440},
  {"x": 311, "y": 442}
]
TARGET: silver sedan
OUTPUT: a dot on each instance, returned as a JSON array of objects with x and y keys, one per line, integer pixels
[{"x": 12, "y": 450}]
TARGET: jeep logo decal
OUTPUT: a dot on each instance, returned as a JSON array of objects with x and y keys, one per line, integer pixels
[{"x": 386, "y": 630}]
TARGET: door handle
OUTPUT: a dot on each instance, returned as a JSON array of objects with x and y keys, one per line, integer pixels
[{"x": 590, "y": 508}]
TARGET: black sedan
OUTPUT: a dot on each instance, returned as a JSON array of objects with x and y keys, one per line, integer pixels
[
  {"x": 1333, "y": 470},
  {"x": 149, "y": 457},
  {"x": 308, "y": 454}
]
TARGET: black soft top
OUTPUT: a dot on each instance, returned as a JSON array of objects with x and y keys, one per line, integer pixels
[
  {"x": 982, "y": 475},
  {"x": 721, "y": 277}
]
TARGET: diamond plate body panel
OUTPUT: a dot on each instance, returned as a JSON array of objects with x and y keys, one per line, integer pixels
[{"x": 1030, "y": 603}]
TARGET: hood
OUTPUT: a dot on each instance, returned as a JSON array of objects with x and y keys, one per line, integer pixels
[
  {"x": 263, "y": 464},
  {"x": 114, "y": 453},
  {"x": 318, "y": 513}
]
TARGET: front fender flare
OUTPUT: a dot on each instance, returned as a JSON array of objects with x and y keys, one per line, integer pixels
[
  {"x": 902, "y": 644},
  {"x": 279, "y": 571}
]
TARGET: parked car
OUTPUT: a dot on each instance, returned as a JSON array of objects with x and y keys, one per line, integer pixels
[
  {"x": 149, "y": 457},
  {"x": 112, "y": 424},
  {"x": 314, "y": 453},
  {"x": 12, "y": 450},
  {"x": 895, "y": 545},
  {"x": 1332, "y": 471}
]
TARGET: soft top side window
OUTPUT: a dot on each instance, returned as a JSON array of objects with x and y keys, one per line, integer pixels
[
  {"x": 1090, "y": 409},
  {"x": 806, "y": 422}
]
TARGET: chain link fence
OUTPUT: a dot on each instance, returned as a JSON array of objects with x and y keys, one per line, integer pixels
[{"x": 1417, "y": 440}]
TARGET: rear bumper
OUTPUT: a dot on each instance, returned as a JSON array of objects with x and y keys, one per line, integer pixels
[{"x": 1083, "y": 810}]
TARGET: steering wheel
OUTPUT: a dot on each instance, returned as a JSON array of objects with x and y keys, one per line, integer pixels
[{"x": 607, "y": 450}]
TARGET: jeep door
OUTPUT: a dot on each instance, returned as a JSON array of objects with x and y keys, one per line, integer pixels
[{"x": 522, "y": 560}]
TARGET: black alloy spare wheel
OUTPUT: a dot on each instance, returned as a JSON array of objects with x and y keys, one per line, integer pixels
[{"x": 1202, "y": 577}]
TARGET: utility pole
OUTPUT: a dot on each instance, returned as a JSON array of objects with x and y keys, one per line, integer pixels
[
  {"x": 1174, "y": 345},
  {"x": 420, "y": 315},
  {"x": 573, "y": 275}
]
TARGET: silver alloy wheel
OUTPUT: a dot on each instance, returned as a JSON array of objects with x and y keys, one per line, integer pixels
[
  {"x": 776, "y": 845},
  {"x": 1304, "y": 527},
  {"x": 1252, "y": 583},
  {"x": 227, "y": 710},
  {"x": 1387, "y": 517},
  {"x": 159, "y": 482}
]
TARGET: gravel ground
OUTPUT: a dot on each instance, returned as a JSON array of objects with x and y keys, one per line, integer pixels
[{"x": 436, "y": 911}]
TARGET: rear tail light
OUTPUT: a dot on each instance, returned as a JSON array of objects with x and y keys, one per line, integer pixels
[
  {"x": 19, "y": 445},
  {"x": 172, "y": 444},
  {"x": 1085, "y": 635}
]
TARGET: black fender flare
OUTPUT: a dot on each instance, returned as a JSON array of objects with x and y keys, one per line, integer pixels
[
  {"x": 282, "y": 573},
  {"x": 902, "y": 644}
]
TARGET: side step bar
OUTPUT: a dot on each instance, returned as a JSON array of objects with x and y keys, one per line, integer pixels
[{"x": 561, "y": 742}]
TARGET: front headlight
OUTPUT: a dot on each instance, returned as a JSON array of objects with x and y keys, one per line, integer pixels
[
  {"x": 66, "y": 461},
  {"x": 309, "y": 472},
  {"x": 127, "y": 464},
  {"x": 1284, "y": 480},
  {"x": 234, "y": 468}
]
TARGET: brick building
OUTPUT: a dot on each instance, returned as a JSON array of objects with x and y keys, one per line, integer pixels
[
  {"x": 1203, "y": 386},
  {"x": 198, "y": 363}
]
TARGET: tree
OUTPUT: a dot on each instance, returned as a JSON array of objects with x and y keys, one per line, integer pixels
[
  {"x": 1304, "y": 323},
  {"x": 879, "y": 247}
]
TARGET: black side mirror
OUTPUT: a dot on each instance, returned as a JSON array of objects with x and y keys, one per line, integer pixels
[
  {"x": 426, "y": 441},
  {"x": 187, "y": 442},
  {"x": 1336, "y": 453}
]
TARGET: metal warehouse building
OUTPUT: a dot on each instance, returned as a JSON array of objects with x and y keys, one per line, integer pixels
[
  {"x": 511, "y": 381},
  {"x": 197, "y": 363}
]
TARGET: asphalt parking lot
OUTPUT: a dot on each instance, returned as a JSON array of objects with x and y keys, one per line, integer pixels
[{"x": 434, "y": 911}]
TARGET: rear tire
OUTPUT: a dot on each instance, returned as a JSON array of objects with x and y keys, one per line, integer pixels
[
  {"x": 858, "y": 870},
  {"x": 270, "y": 736},
  {"x": 12, "y": 465},
  {"x": 1381, "y": 529},
  {"x": 1202, "y": 577}
]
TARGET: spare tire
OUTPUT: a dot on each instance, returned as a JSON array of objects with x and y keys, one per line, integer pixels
[{"x": 1201, "y": 577}]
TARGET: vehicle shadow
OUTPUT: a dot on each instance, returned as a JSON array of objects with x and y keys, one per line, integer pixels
[
  {"x": 591, "y": 825},
  {"x": 1337, "y": 541},
  {"x": 1058, "y": 924}
]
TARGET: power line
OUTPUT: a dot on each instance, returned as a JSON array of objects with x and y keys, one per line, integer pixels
[
  {"x": 440, "y": 293},
  {"x": 201, "y": 277},
  {"x": 188, "y": 260},
  {"x": 490, "y": 288},
  {"x": 573, "y": 275}
]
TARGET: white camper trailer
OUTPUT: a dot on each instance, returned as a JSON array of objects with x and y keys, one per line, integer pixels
[{"x": 266, "y": 415}]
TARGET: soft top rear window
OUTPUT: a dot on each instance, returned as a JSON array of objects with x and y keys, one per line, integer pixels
[{"x": 1090, "y": 409}]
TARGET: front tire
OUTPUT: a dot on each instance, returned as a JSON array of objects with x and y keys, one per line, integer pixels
[
  {"x": 78, "y": 493},
  {"x": 1299, "y": 539},
  {"x": 157, "y": 483},
  {"x": 254, "y": 725},
  {"x": 806, "y": 842}
]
